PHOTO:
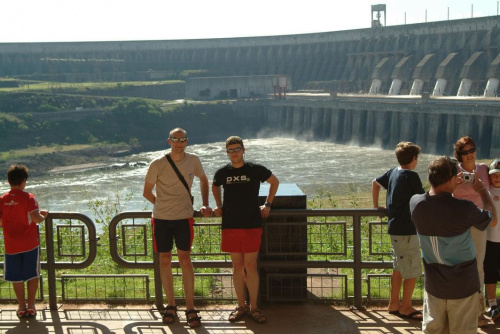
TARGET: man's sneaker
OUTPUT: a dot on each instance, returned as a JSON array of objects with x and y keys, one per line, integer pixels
[{"x": 494, "y": 313}]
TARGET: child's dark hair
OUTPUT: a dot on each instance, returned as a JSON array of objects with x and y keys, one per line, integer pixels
[
  {"x": 406, "y": 151},
  {"x": 17, "y": 174}
]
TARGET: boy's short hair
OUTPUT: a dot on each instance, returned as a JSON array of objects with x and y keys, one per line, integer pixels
[
  {"x": 16, "y": 174},
  {"x": 406, "y": 151},
  {"x": 441, "y": 170},
  {"x": 460, "y": 144},
  {"x": 234, "y": 140}
]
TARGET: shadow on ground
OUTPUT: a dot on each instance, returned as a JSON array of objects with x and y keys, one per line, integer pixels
[{"x": 282, "y": 318}]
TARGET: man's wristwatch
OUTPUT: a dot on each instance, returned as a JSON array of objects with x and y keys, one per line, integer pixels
[{"x": 267, "y": 205}]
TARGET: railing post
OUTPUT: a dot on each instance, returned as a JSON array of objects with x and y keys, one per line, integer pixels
[
  {"x": 51, "y": 271},
  {"x": 358, "y": 298}
]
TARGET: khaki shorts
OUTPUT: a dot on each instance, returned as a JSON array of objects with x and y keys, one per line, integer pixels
[{"x": 406, "y": 255}]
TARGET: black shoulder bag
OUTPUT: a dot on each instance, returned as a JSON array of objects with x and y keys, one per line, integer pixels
[{"x": 180, "y": 176}]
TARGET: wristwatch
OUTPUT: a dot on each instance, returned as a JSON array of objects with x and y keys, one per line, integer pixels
[{"x": 267, "y": 205}]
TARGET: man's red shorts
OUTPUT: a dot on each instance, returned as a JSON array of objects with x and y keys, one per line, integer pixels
[{"x": 241, "y": 240}]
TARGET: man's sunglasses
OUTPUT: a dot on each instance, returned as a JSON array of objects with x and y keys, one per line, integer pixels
[
  {"x": 236, "y": 149},
  {"x": 175, "y": 140},
  {"x": 465, "y": 152}
]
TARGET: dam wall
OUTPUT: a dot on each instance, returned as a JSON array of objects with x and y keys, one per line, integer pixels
[
  {"x": 434, "y": 124},
  {"x": 445, "y": 58}
]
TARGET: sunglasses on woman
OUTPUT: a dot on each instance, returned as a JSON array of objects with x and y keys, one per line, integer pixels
[{"x": 465, "y": 152}]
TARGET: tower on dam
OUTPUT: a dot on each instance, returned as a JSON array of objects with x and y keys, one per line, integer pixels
[{"x": 445, "y": 58}]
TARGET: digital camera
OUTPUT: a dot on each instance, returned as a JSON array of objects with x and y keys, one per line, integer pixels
[{"x": 468, "y": 177}]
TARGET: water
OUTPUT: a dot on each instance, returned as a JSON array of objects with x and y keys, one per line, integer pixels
[{"x": 313, "y": 166}]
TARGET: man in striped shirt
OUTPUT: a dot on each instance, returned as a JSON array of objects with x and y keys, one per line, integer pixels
[{"x": 443, "y": 223}]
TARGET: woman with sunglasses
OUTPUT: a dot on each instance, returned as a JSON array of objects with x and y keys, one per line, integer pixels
[{"x": 465, "y": 153}]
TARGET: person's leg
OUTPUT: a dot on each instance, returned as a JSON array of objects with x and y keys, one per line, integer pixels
[
  {"x": 20, "y": 295},
  {"x": 396, "y": 281},
  {"x": 462, "y": 314},
  {"x": 435, "y": 319},
  {"x": 479, "y": 240},
  {"x": 239, "y": 277},
  {"x": 408, "y": 288},
  {"x": 252, "y": 277},
  {"x": 396, "y": 278},
  {"x": 32, "y": 289},
  {"x": 187, "y": 277},
  {"x": 166, "y": 276}
]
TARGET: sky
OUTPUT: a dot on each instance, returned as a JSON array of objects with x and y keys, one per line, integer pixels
[{"x": 124, "y": 20}]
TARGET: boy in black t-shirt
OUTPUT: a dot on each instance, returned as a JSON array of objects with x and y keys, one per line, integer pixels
[
  {"x": 402, "y": 183},
  {"x": 242, "y": 222}
]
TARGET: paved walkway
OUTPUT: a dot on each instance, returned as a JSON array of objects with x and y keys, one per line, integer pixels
[{"x": 282, "y": 318}]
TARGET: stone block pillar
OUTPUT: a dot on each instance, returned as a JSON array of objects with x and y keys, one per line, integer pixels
[{"x": 283, "y": 242}]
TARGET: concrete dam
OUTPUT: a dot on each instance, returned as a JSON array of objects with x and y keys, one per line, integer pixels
[{"x": 387, "y": 83}]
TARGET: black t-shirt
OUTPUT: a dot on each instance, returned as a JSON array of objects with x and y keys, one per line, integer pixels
[
  {"x": 240, "y": 207},
  {"x": 401, "y": 185}
]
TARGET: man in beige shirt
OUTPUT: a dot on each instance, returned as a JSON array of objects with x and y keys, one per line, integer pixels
[{"x": 172, "y": 218}]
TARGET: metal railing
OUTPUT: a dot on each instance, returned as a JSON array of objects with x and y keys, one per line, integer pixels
[{"x": 326, "y": 255}]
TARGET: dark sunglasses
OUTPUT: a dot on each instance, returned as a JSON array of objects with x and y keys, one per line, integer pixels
[
  {"x": 465, "y": 152},
  {"x": 236, "y": 149},
  {"x": 175, "y": 140}
]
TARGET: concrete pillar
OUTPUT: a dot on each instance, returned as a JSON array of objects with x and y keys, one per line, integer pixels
[
  {"x": 422, "y": 132},
  {"x": 347, "y": 129},
  {"x": 464, "y": 88},
  {"x": 408, "y": 127},
  {"x": 280, "y": 238},
  {"x": 394, "y": 134},
  {"x": 298, "y": 121},
  {"x": 358, "y": 127},
  {"x": 432, "y": 134},
  {"x": 337, "y": 131},
  {"x": 439, "y": 87},
  {"x": 395, "y": 87},
  {"x": 491, "y": 89},
  {"x": 317, "y": 123},
  {"x": 370, "y": 128},
  {"x": 416, "y": 88},
  {"x": 306, "y": 122},
  {"x": 375, "y": 87},
  {"x": 327, "y": 122},
  {"x": 289, "y": 120},
  {"x": 465, "y": 126},
  {"x": 383, "y": 128}
]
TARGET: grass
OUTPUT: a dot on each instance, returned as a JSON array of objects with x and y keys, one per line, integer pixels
[
  {"x": 38, "y": 150},
  {"x": 47, "y": 86}
]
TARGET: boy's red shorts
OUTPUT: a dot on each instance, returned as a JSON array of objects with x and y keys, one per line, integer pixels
[{"x": 241, "y": 240}]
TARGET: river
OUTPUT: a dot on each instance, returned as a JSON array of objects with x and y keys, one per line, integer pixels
[{"x": 313, "y": 166}]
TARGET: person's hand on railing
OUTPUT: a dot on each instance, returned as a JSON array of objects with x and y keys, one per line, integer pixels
[{"x": 206, "y": 211}]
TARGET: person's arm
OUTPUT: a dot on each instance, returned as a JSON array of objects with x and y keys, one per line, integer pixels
[
  {"x": 148, "y": 192},
  {"x": 375, "y": 195},
  {"x": 273, "y": 188},
  {"x": 38, "y": 216},
  {"x": 205, "y": 210},
  {"x": 216, "y": 192},
  {"x": 488, "y": 204}
]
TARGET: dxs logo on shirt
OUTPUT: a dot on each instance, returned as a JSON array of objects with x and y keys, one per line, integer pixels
[{"x": 237, "y": 179}]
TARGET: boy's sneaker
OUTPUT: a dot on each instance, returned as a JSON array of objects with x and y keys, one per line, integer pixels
[{"x": 494, "y": 313}]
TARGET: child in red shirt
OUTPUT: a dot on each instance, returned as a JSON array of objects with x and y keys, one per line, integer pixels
[{"x": 19, "y": 216}]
